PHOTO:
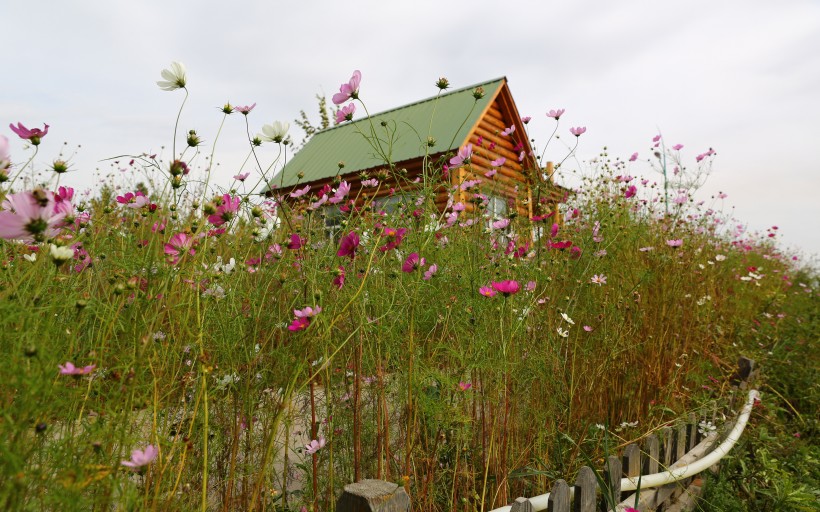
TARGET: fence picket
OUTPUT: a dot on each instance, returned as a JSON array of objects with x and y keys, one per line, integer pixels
[
  {"x": 559, "y": 500},
  {"x": 585, "y": 489}
]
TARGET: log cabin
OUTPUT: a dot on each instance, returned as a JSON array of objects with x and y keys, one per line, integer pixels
[{"x": 411, "y": 146}]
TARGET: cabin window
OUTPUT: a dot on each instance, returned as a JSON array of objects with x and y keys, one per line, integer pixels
[
  {"x": 333, "y": 221},
  {"x": 391, "y": 204},
  {"x": 497, "y": 210}
]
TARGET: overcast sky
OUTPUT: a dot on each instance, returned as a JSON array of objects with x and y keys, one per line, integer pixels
[{"x": 740, "y": 76}]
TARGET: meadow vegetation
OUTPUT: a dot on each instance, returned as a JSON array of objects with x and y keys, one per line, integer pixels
[{"x": 169, "y": 344}]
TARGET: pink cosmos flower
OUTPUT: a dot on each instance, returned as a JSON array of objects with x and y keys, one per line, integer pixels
[
  {"x": 501, "y": 224},
  {"x": 141, "y": 458},
  {"x": 348, "y": 90},
  {"x": 393, "y": 236},
  {"x": 530, "y": 286},
  {"x": 33, "y": 135},
  {"x": 566, "y": 244},
  {"x": 226, "y": 211},
  {"x": 315, "y": 445},
  {"x": 575, "y": 252},
  {"x": 490, "y": 173},
  {"x": 633, "y": 157},
  {"x": 463, "y": 156},
  {"x": 31, "y": 216},
  {"x": 675, "y": 242},
  {"x": 656, "y": 138},
  {"x": 556, "y": 114},
  {"x": 508, "y": 131},
  {"x": 244, "y": 109},
  {"x": 526, "y": 119},
  {"x": 598, "y": 279},
  {"x": 630, "y": 191},
  {"x": 372, "y": 182},
  {"x": 498, "y": 162},
  {"x": 578, "y": 130},
  {"x": 307, "y": 312},
  {"x": 177, "y": 246},
  {"x": 430, "y": 272},
  {"x": 507, "y": 287},
  {"x": 5, "y": 156},
  {"x": 242, "y": 177},
  {"x": 588, "y": 328},
  {"x": 339, "y": 280},
  {"x": 341, "y": 193},
  {"x": 345, "y": 113},
  {"x": 348, "y": 245},
  {"x": 412, "y": 262},
  {"x": 70, "y": 369},
  {"x": 464, "y": 386},
  {"x": 487, "y": 291},
  {"x": 677, "y": 147},
  {"x": 300, "y": 192},
  {"x": 299, "y": 324}
]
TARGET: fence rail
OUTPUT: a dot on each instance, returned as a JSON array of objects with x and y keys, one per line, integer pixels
[{"x": 660, "y": 472}]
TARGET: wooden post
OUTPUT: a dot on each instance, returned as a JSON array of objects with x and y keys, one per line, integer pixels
[
  {"x": 651, "y": 448},
  {"x": 559, "y": 500},
  {"x": 522, "y": 505},
  {"x": 585, "y": 487},
  {"x": 612, "y": 479},
  {"x": 373, "y": 496},
  {"x": 631, "y": 463},
  {"x": 692, "y": 431}
]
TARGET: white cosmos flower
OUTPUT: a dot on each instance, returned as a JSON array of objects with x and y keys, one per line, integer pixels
[
  {"x": 567, "y": 319},
  {"x": 174, "y": 77},
  {"x": 61, "y": 254},
  {"x": 275, "y": 132},
  {"x": 562, "y": 332}
]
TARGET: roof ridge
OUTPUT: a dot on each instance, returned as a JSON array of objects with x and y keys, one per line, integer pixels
[{"x": 413, "y": 104}]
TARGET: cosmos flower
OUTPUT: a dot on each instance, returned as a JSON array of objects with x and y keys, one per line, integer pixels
[
  {"x": 33, "y": 135},
  {"x": 348, "y": 245},
  {"x": 141, "y": 458},
  {"x": 556, "y": 114},
  {"x": 315, "y": 445},
  {"x": 345, "y": 113},
  {"x": 577, "y": 131},
  {"x": 507, "y": 287},
  {"x": 174, "y": 78},
  {"x": 275, "y": 132},
  {"x": 70, "y": 369},
  {"x": 462, "y": 157},
  {"x": 350, "y": 90}
]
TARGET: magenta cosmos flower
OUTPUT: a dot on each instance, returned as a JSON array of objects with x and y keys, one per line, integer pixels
[
  {"x": 345, "y": 113},
  {"x": 348, "y": 245},
  {"x": 578, "y": 130},
  {"x": 31, "y": 216},
  {"x": 630, "y": 191},
  {"x": 70, "y": 369},
  {"x": 350, "y": 90},
  {"x": 487, "y": 291},
  {"x": 412, "y": 263},
  {"x": 177, "y": 246},
  {"x": 393, "y": 236},
  {"x": 302, "y": 318},
  {"x": 33, "y": 135},
  {"x": 226, "y": 211},
  {"x": 141, "y": 458},
  {"x": 507, "y": 287}
]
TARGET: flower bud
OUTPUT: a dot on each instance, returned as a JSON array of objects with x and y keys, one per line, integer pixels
[
  {"x": 59, "y": 166},
  {"x": 442, "y": 83},
  {"x": 194, "y": 140}
]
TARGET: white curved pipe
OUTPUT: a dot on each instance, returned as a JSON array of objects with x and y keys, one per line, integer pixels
[{"x": 674, "y": 474}]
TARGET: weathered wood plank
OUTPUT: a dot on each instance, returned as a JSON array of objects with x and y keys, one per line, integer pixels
[
  {"x": 585, "y": 488},
  {"x": 559, "y": 500},
  {"x": 652, "y": 455},
  {"x": 613, "y": 470},
  {"x": 522, "y": 505}
]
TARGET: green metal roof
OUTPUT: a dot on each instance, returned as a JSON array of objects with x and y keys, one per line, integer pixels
[{"x": 410, "y": 126}]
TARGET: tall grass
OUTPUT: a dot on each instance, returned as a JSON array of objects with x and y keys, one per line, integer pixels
[{"x": 466, "y": 397}]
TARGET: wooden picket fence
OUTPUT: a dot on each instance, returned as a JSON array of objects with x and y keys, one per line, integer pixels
[{"x": 670, "y": 448}]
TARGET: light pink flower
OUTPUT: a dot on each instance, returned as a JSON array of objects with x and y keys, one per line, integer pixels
[
  {"x": 348, "y": 90},
  {"x": 31, "y": 216},
  {"x": 244, "y": 109},
  {"x": 315, "y": 445},
  {"x": 141, "y": 458},
  {"x": 501, "y": 224},
  {"x": 578, "y": 130},
  {"x": 675, "y": 242},
  {"x": 33, "y": 135},
  {"x": 341, "y": 193},
  {"x": 430, "y": 272},
  {"x": 598, "y": 279},
  {"x": 372, "y": 182},
  {"x": 677, "y": 147},
  {"x": 307, "y": 312},
  {"x": 226, "y": 211},
  {"x": 463, "y": 156},
  {"x": 498, "y": 162},
  {"x": 556, "y": 114},
  {"x": 300, "y": 192},
  {"x": 587, "y": 328},
  {"x": 345, "y": 113},
  {"x": 633, "y": 157},
  {"x": 242, "y": 177},
  {"x": 70, "y": 369},
  {"x": 508, "y": 131}
]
